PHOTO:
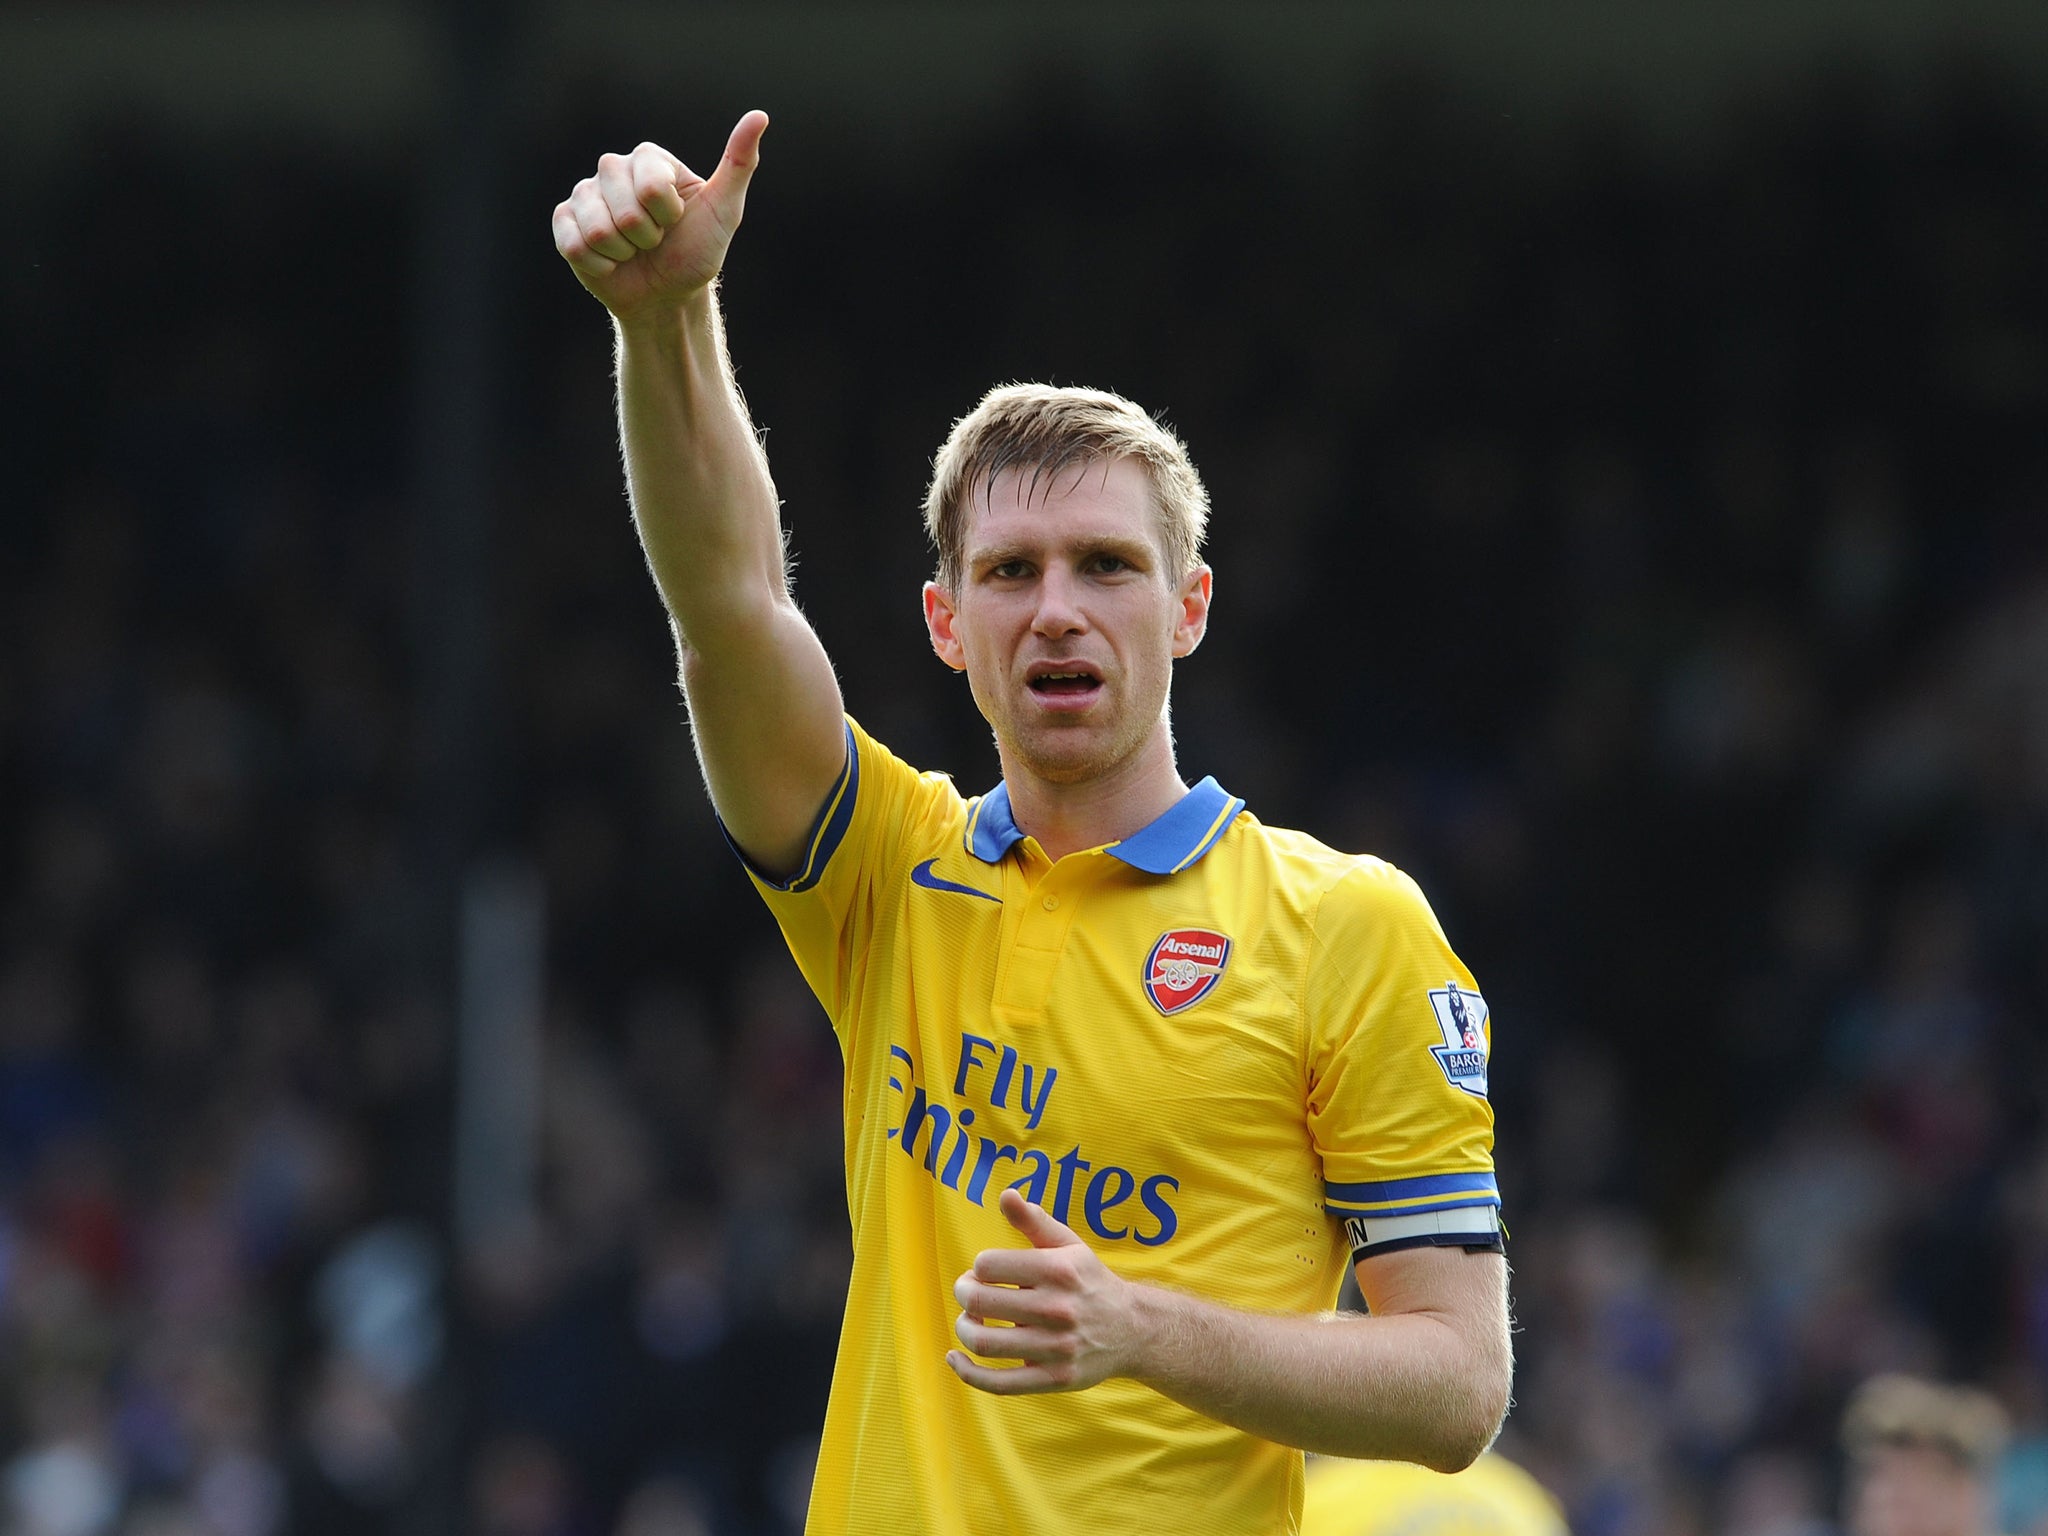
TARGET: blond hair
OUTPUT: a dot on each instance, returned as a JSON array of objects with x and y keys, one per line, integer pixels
[
  {"x": 1897, "y": 1410},
  {"x": 1047, "y": 429}
]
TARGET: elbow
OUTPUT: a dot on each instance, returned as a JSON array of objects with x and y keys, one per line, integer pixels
[
  {"x": 1457, "y": 1449},
  {"x": 1472, "y": 1422}
]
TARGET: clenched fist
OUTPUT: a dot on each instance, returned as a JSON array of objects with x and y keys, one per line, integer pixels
[{"x": 647, "y": 232}]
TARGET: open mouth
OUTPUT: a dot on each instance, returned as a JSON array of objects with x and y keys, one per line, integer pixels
[
  {"x": 1071, "y": 686},
  {"x": 1068, "y": 683}
]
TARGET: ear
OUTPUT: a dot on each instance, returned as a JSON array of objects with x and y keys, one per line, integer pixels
[
  {"x": 939, "y": 619},
  {"x": 1192, "y": 620}
]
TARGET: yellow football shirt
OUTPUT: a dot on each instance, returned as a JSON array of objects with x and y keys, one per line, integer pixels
[
  {"x": 1222, "y": 1053},
  {"x": 1492, "y": 1497}
]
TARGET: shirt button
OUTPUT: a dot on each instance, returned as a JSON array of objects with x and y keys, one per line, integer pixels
[{"x": 1052, "y": 903}]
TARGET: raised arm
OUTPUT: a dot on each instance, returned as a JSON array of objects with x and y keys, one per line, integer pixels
[{"x": 648, "y": 236}]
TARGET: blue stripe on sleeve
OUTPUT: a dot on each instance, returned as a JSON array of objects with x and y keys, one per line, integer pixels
[
  {"x": 827, "y": 832},
  {"x": 1414, "y": 1189}
]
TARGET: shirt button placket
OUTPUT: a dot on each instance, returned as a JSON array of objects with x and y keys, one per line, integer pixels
[{"x": 1025, "y": 978}]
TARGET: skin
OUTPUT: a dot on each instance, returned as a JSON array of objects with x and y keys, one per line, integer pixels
[
  {"x": 1917, "y": 1490},
  {"x": 1069, "y": 574},
  {"x": 1424, "y": 1378},
  {"x": 1073, "y": 575},
  {"x": 647, "y": 236}
]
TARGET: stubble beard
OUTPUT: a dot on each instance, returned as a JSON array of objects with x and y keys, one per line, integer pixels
[{"x": 1080, "y": 753}]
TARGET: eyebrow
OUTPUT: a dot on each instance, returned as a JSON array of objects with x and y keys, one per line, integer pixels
[{"x": 1132, "y": 551}]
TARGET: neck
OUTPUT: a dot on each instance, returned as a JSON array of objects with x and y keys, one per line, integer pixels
[{"x": 1067, "y": 817}]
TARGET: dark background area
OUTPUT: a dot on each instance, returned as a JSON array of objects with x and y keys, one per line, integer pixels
[{"x": 1631, "y": 490}]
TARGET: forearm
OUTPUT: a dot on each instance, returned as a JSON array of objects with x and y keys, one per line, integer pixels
[
  {"x": 647, "y": 237},
  {"x": 1424, "y": 1379},
  {"x": 1410, "y": 1387},
  {"x": 702, "y": 498}
]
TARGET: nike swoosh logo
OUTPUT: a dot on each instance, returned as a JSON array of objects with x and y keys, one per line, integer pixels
[{"x": 922, "y": 875}]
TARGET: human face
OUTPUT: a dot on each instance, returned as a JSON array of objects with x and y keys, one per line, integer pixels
[
  {"x": 1917, "y": 1490},
  {"x": 1068, "y": 619}
]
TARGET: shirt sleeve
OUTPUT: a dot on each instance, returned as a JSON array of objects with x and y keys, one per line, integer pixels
[
  {"x": 1399, "y": 1038},
  {"x": 879, "y": 808}
]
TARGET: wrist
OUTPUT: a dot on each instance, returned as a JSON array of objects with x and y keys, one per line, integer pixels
[
  {"x": 1153, "y": 1319},
  {"x": 669, "y": 322}
]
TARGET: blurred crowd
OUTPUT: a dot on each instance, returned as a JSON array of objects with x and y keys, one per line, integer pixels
[{"x": 1647, "y": 551}]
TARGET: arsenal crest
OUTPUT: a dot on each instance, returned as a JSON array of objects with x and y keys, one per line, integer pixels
[{"x": 1184, "y": 966}]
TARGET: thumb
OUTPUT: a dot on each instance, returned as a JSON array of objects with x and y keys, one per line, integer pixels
[
  {"x": 728, "y": 184},
  {"x": 1035, "y": 1222}
]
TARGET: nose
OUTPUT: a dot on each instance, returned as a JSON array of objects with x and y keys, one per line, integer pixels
[{"x": 1059, "y": 604}]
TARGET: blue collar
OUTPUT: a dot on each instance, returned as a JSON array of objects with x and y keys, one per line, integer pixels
[{"x": 1169, "y": 845}]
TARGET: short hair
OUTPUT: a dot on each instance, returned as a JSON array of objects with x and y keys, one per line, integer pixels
[
  {"x": 1897, "y": 1410},
  {"x": 1046, "y": 429}
]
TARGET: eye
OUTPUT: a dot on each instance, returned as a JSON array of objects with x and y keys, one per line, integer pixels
[
  {"x": 1010, "y": 570},
  {"x": 1111, "y": 564}
]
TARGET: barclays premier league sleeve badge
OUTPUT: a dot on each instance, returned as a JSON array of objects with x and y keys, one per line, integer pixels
[{"x": 1461, "y": 1015}]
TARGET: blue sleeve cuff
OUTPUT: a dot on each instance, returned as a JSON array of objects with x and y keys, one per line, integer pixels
[
  {"x": 1441, "y": 1209},
  {"x": 827, "y": 832}
]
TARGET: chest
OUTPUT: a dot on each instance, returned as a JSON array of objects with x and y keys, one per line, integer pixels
[{"x": 1110, "y": 1043}]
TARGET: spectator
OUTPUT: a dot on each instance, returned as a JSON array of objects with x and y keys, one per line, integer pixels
[{"x": 1921, "y": 1458}]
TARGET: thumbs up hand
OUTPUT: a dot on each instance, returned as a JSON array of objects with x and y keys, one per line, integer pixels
[
  {"x": 646, "y": 233},
  {"x": 1072, "y": 1321}
]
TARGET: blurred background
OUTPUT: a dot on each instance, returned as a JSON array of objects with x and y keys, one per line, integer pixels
[{"x": 1626, "y": 431}]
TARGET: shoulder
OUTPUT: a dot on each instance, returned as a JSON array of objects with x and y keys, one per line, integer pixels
[
  {"x": 880, "y": 770},
  {"x": 1338, "y": 888},
  {"x": 1362, "y": 919}
]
